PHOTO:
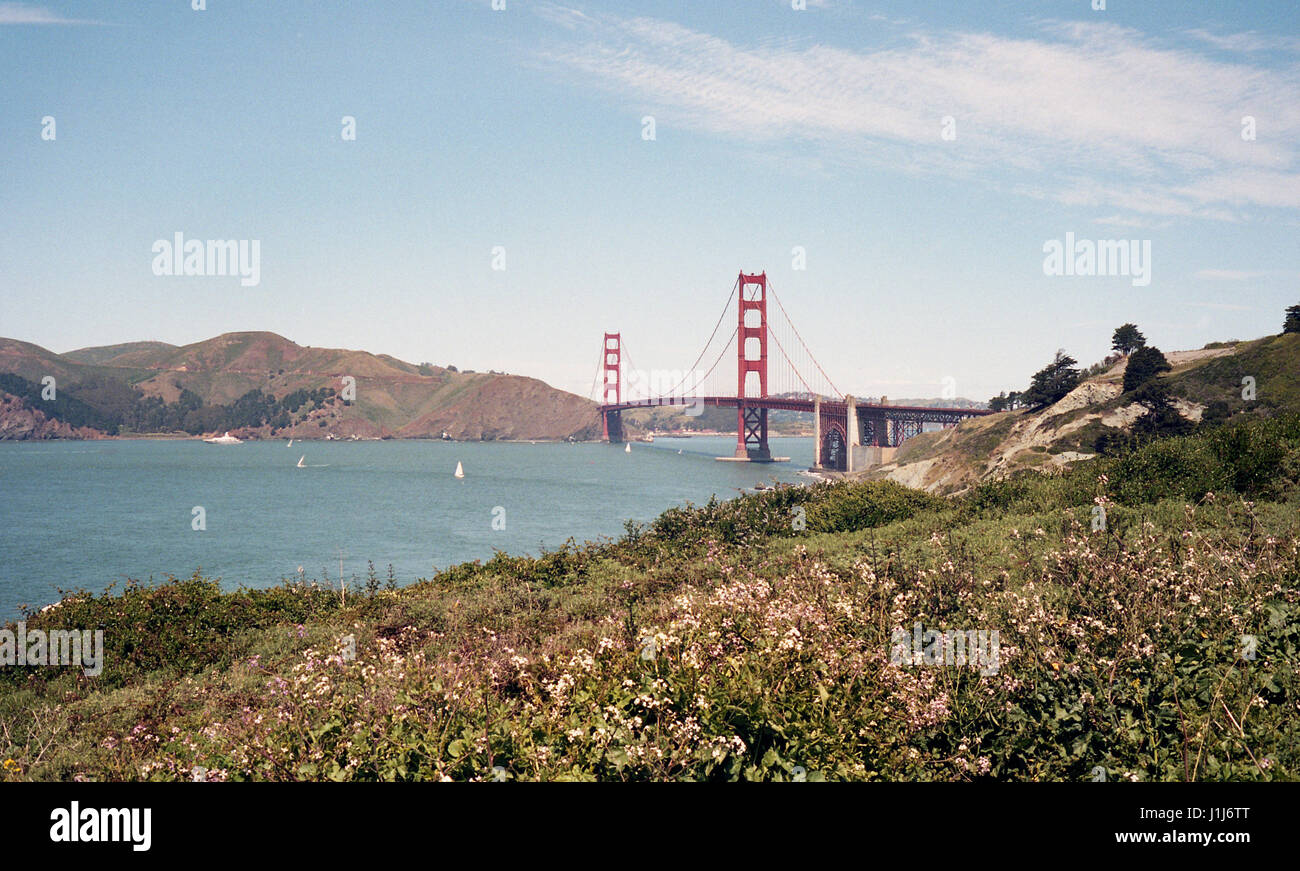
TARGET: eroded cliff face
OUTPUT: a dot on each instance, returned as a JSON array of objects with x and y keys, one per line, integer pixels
[{"x": 949, "y": 461}]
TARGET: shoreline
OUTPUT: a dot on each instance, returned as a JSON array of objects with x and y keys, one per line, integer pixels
[{"x": 165, "y": 437}]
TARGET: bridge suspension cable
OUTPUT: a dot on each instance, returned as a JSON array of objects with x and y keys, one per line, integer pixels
[
  {"x": 595, "y": 379},
  {"x": 793, "y": 368},
  {"x": 807, "y": 350},
  {"x": 695, "y": 366}
]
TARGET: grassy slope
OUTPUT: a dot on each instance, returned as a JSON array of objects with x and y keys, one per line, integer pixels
[
  {"x": 744, "y": 640},
  {"x": 107, "y": 354}
]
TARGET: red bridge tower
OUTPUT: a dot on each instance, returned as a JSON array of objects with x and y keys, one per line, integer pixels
[
  {"x": 613, "y": 364},
  {"x": 751, "y": 421}
]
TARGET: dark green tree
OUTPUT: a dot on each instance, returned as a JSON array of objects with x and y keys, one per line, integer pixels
[
  {"x": 1127, "y": 339},
  {"x": 999, "y": 402},
  {"x": 1292, "y": 323},
  {"x": 1053, "y": 381},
  {"x": 1162, "y": 418},
  {"x": 1145, "y": 364}
]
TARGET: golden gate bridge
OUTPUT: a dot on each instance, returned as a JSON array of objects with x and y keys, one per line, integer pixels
[{"x": 847, "y": 434}]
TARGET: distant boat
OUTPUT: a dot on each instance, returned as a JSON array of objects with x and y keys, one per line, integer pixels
[
  {"x": 290, "y": 442},
  {"x": 627, "y": 449},
  {"x": 302, "y": 462},
  {"x": 679, "y": 450},
  {"x": 226, "y": 439},
  {"x": 460, "y": 470}
]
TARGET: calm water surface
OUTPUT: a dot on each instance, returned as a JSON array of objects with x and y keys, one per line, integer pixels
[{"x": 86, "y": 514}]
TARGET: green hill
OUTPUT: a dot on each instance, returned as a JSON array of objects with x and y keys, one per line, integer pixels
[{"x": 259, "y": 384}]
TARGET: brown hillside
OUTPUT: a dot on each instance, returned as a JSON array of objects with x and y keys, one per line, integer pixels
[{"x": 392, "y": 398}]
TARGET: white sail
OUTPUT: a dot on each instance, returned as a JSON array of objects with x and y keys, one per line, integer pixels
[
  {"x": 460, "y": 470},
  {"x": 302, "y": 462},
  {"x": 627, "y": 449}
]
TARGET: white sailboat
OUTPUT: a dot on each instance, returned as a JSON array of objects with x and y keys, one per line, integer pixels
[
  {"x": 290, "y": 442},
  {"x": 627, "y": 448},
  {"x": 302, "y": 462},
  {"x": 460, "y": 470}
]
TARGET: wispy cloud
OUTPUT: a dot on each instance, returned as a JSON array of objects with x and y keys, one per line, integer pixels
[
  {"x": 1084, "y": 113},
  {"x": 1246, "y": 42},
  {"x": 21, "y": 13}
]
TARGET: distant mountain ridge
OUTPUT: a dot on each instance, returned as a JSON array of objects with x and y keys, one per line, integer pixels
[
  {"x": 249, "y": 376},
  {"x": 106, "y": 354}
]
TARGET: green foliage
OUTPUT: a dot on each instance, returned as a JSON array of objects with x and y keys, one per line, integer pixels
[
  {"x": 1145, "y": 364},
  {"x": 64, "y": 407},
  {"x": 1256, "y": 455},
  {"x": 1051, "y": 383},
  {"x": 1169, "y": 468},
  {"x": 1255, "y": 458},
  {"x": 849, "y": 507},
  {"x": 179, "y": 626},
  {"x": 1292, "y": 322},
  {"x": 1162, "y": 418},
  {"x": 1127, "y": 338},
  {"x": 566, "y": 565},
  {"x": 114, "y": 406}
]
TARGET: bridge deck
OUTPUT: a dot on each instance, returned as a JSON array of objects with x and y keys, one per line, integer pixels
[{"x": 790, "y": 404}]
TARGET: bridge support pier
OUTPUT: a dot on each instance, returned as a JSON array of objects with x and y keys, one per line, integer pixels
[
  {"x": 751, "y": 435},
  {"x": 817, "y": 432},
  {"x": 612, "y": 426},
  {"x": 852, "y": 450}
]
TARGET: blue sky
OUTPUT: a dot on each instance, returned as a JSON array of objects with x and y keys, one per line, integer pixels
[{"x": 774, "y": 128}]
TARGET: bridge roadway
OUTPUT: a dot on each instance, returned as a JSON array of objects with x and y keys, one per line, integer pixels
[{"x": 842, "y": 442}]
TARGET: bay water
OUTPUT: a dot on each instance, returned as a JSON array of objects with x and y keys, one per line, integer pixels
[{"x": 86, "y": 514}]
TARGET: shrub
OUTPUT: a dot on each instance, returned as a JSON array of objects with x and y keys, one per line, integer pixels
[
  {"x": 1183, "y": 468},
  {"x": 862, "y": 506}
]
